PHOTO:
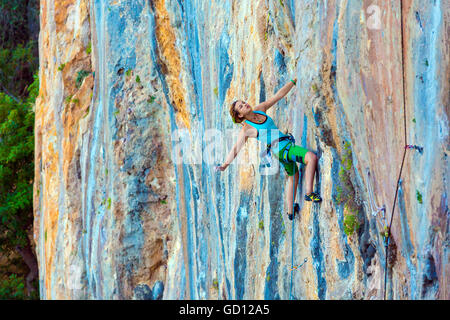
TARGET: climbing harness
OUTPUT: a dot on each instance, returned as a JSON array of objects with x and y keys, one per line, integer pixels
[
  {"x": 266, "y": 153},
  {"x": 284, "y": 157}
]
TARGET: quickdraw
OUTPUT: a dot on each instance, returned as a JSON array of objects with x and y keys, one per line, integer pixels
[
  {"x": 413, "y": 146},
  {"x": 300, "y": 265}
]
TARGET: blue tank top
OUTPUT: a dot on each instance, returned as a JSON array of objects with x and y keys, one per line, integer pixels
[{"x": 266, "y": 134}]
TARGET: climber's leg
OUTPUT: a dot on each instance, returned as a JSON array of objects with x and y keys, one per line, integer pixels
[
  {"x": 290, "y": 192},
  {"x": 311, "y": 164},
  {"x": 308, "y": 158}
]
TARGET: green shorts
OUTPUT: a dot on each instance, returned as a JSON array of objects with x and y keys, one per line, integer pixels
[{"x": 295, "y": 151}]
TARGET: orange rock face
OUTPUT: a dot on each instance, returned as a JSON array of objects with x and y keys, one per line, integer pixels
[{"x": 132, "y": 116}]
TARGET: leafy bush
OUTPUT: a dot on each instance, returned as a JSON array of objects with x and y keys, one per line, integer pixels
[
  {"x": 80, "y": 77},
  {"x": 419, "y": 196},
  {"x": 12, "y": 288},
  {"x": 89, "y": 48},
  {"x": 19, "y": 87},
  {"x": 345, "y": 192},
  {"x": 261, "y": 225},
  {"x": 16, "y": 167},
  {"x": 15, "y": 68},
  {"x": 351, "y": 223}
]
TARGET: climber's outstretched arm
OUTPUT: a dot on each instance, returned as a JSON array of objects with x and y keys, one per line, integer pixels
[
  {"x": 242, "y": 139},
  {"x": 264, "y": 106}
]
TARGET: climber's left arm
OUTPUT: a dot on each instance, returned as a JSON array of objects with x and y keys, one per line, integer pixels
[{"x": 264, "y": 106}]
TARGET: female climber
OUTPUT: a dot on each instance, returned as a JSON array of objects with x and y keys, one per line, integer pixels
[{"x": 257, "y": 124}]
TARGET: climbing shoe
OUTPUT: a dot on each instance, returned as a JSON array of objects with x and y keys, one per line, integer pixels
[
  {"x": 315, "y": 197},
  {"x": 296, "y": 210}
]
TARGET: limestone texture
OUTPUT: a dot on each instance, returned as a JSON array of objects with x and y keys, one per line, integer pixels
[{"x": 133, "y": 115}]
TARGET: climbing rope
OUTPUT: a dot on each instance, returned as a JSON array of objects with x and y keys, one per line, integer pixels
[
  {"x": 388, "y": 232},
  {"x": 293, "y": 227}
]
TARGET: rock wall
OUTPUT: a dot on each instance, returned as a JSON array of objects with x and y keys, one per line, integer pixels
[{"x": 132, "y": 116}]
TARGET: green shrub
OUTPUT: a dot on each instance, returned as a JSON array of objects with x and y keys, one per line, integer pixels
[
  {"x": 351, "y": 223},
  {"x": 419, "y": 196},
  {"x": 12, "y": 288},
  {"x": 339, "y": 195},
  {"x": 345, "y": 192},
  {"x": 261, "y": 225},
  {"x": 19, "y": 87},
  {"x": 17, "y": 66},
  {"x": 68, "y": 98},
  {"x": 215, "y": 284},
  {"x": 80, "y": 77},
  {"x": 89, "y": 48}
]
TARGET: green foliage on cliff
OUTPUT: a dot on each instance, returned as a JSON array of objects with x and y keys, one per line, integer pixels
[
  {"x": 15, "y": 66},
  {"x": 80, "y": 77},
  {"x": 419, "y": 196},
  {"x": 12, "y": 288},
  {"x": 345, "y": 192},
  {"x": 16, "y": 168},
  {"x": 89, "y": 48},
  {"x": 19, "y": 27},
  {"x": 215, "y": 284},
  {"x": 16, "y": 181},
  {"x": 19, "y": 86},
  {"x": 351, "y": 223},
  {"x": 151, "y": 99}
]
